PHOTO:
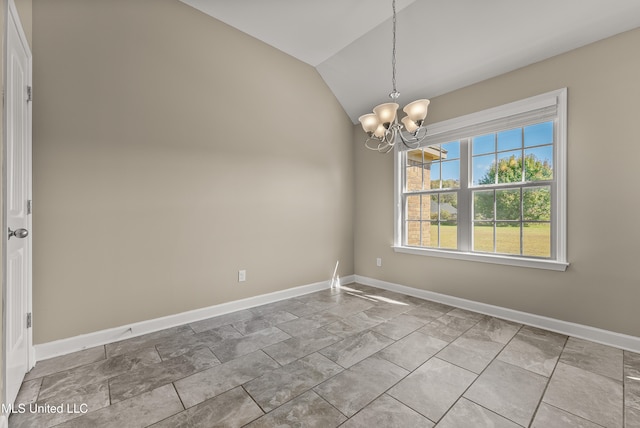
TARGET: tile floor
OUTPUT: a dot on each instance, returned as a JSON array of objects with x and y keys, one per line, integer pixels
[{"x": 357, "y": 357}]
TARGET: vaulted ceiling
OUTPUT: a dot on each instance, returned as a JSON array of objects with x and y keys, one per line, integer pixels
[{"x": 442, "y": 45}]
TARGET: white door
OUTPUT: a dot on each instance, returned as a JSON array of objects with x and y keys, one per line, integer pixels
[{"x": 17, "y": 206}]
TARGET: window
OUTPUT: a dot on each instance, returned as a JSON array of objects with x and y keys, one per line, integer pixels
[{"x": 490, "y": 186}]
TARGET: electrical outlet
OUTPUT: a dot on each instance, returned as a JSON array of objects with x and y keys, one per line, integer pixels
[
  {"x": 379, "y": 261},
  {"x": 242, "y": 275}
]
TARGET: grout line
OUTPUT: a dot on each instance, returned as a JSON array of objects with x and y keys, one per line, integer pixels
[
  {"x": 478, "y": 374},
  {"x": 325, "y": 400},
  {"x": 577, "y": 416},
  {"x": 109, "y": 391},
  {"x": 253, "y": 399},
  {"x": 178, "y": 394},
  {"x": 546, "y": 387}
]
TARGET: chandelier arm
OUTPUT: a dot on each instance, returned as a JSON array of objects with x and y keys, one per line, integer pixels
[
  {"x": 411, "y": 145},
  {"x": 366, "y": 144},
  {"x": 390, "y": 135},
  {"x": 385, "y": 148},
  {"x": 380, "y": 144},
  {"x": 416, "y": 138}
]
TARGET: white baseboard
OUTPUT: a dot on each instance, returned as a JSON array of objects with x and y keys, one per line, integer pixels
[
  {"x": 77, "y": 343},
  {"x": 605, "y": 337},
  {"x": 3, "y": 421}
]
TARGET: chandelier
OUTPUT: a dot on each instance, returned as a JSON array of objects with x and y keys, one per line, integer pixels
[{"x": 382, "y": 125}]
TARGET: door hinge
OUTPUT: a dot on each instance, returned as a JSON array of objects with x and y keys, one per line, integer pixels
[
  {"x": 29, "y": 94},
  {"x": 29, "y": 206},
  {"x": 29, "y": 320}
]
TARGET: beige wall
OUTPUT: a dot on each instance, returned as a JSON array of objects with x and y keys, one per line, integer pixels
[
  {"x": 601, "y": 288},
  {"x": 170, "y": 151},
  {"x": 161, "y": 168}
]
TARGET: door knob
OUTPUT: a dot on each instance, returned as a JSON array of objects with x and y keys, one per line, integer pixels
[{"x": 18, "y": 233}]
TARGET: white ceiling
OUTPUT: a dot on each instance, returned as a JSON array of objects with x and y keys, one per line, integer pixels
[{"x": 442, "y": 45}]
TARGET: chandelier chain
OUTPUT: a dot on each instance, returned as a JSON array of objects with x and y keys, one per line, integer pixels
[
  {"x": 382, "y": 126},
  {"x": 395, "y": 93}
]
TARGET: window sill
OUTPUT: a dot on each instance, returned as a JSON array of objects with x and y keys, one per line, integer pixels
[{"x": 486, "y": 258}]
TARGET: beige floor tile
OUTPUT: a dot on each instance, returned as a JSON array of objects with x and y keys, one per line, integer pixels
[
  {"x": 356, "y": 387},
  {"x": 233, "y": 408},
  {"x": 278, "y": 386},
  {"x": 597, "y": 358},
  {"x": 534, "y": 350},
  {"x": 433, "y": 388},
  {"x": 387, "y": 412},
  {"x": 551, "y": 417},
  {"x": 509, "y": 391},
  {"x": 356, "y": 348},
  {"x": 466, "y": 413},
  {"x": 307, "y": 410},
  {"x": 66, "y": 362},
  {"x": 137, "y": 412},
  {"x": 591, "y": 396},
  {"x": 471, "y": 353},
  {"x": 412, "y": 351}
]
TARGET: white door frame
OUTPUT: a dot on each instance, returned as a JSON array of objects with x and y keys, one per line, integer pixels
[{"x": 12, "y": 18}]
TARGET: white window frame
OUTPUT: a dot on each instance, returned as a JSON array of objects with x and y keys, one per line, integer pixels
[{"x": 481, "y": 122}]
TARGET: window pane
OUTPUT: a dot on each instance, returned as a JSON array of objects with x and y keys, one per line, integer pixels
[
  {"x": 414, "y": 157},
  {"x": 448, "y": 206},
  {"x": 413, "y": 233},
  {"x": 414, "y": 178},
  {"x": 536, "y": 203},
  {"x": 483, "y": 237},
  {"x": 451, "y": 174},
  {"x": 484, "y": 170},
  {"x": 429, "y": 234},
  {"x": 536, "y": 239},
  {"x": 483, "y": 205},
  {"x": 508, "y": 204},
  {"x": 451, "y": 150},
  {"x": 433, "y": 201},
  {"x": 539, "y": 163},
  {"x": 414, "y": 170},
  {"x": 413, "y": 207},
  {"x": 449, "y": 235},
  {"x": 428, "y": 207},
  {"x": 484, "y": 144},
  {"x": 431, "y": 153},
  {"x": 508, "y": 238},
  {"x": 536, "y": 135},
  {"x": 434, "y": 173},
  {"x": 511, "y": 139},
  {"x": 510, "y": 167}
]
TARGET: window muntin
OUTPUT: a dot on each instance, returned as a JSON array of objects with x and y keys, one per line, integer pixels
[
  {"x": 513, "y": 221},
  {"x": 509, "y": 197},
  {"x": 432, "y": 175}
]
